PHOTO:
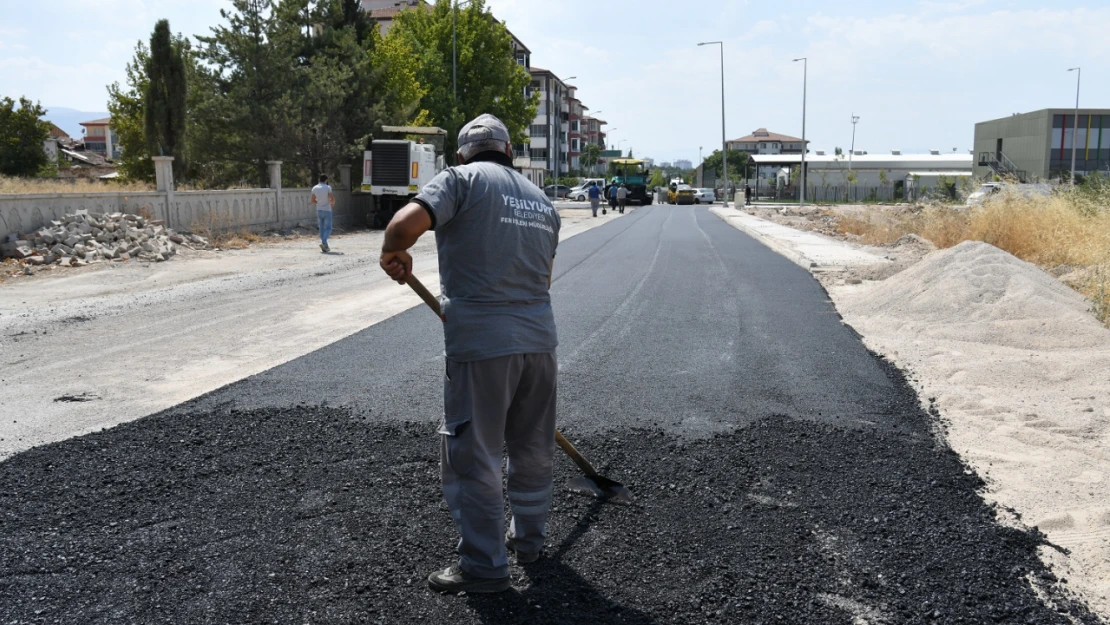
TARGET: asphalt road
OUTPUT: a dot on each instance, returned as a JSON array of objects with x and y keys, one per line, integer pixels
[{"x": 784, "y": 474}]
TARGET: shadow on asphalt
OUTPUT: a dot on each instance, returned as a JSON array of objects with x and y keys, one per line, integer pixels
[{"x": 549, "y": 578}]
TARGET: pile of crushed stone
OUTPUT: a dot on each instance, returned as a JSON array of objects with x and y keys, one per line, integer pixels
[
  {"x": 1018, "y": 367},
  {"x": 83, "y": 237}
]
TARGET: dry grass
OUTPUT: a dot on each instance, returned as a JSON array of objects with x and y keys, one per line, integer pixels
[
  {"x": 221, "y": 232},
  {"x": 1065, "y": 233},
  {"x": 28, "y": 186}
]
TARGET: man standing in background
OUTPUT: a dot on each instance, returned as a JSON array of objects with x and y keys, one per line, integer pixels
[
  {"x": 595, "y": 198},
  {"x": 622, "y": 197},
  {"x": 323, "y": 199}
]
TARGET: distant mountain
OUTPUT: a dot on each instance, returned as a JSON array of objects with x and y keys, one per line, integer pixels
[{"x": 70, "y": 120}]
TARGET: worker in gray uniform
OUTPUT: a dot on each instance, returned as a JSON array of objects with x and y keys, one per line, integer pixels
[{"x": 496, "y": 233}]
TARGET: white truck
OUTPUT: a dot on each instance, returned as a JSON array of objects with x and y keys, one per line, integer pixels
[{"x": 395, "y": 170}]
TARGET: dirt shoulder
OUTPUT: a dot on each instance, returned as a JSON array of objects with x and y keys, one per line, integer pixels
[{"x": 1012, "y": 361}]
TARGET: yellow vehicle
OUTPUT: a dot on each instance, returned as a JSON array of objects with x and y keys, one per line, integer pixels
[{"x": 680, "y": 193}]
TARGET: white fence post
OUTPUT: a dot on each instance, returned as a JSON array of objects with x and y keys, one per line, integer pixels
[
  {"x": 275, "y": 184},
  {"x": 163, "y": 180}
]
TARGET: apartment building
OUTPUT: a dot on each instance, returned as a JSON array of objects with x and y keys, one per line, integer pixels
[{"x": 100, "y": 139}]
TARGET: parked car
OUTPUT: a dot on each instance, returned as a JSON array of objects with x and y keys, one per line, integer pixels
[
  {"x": 549, "y": 190},
  {"x": 704, "y": 195},
  {"x": 581, "y": 192},
  {"x": 994, "y": 189}
]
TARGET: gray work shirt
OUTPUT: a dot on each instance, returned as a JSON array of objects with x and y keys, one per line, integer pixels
[{"x": 496, "y": 233}]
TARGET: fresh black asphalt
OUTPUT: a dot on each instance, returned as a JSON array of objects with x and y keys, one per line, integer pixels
[{"x": 784, "y": 474}]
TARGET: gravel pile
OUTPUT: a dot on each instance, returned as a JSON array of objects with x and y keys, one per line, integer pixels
[
  {"x": 83, "y": 238},
  {"x": 308, "y": 515}
]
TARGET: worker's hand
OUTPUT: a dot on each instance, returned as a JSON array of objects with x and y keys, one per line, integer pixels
[{"x": 398, "y": 265}]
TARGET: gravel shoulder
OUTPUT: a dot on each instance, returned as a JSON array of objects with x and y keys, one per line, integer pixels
[
  {"x": 88, "y": 348},
  {"x": 1016, "y": 366}
]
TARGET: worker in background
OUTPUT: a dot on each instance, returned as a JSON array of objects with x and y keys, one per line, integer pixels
[
  {"x": 595, "y": 198},
  {"x": 622, "y": 197},
  {"x": 747, "y": 195},
  {"x": 323, "y": 198},
  {"x": 496, "y": 233}
]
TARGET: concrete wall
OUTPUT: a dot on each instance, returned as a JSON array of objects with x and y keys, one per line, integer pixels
[{"x": 251, "y": 209}]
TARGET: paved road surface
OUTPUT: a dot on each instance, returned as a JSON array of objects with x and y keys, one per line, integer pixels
[{"x": 785, "y": 474}]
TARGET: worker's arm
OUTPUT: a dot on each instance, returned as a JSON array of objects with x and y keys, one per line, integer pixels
[
  {"x": 550, "y": 273},
  {"x": 331, "y": 198},
  {"x": 312, "y": 198},
  {"x": 407, "y": 226}
]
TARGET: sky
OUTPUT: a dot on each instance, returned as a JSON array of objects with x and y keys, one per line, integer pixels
[{"x": 919, "y": 74}]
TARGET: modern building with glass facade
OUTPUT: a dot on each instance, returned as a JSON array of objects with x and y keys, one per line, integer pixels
[{"x": 1037, "y": 146}]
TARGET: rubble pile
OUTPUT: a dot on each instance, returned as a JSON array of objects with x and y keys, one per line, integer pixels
[{"x": 83, "y": 238}]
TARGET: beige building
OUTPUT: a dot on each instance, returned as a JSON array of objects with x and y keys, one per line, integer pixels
[
  {"x": 1037, "y": 146},
  {"x": 763, "y": 141}
]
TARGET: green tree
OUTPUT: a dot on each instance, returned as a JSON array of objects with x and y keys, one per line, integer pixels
[
  {"x": 489, "y": 78},
  {"x": 125, "y": 106},
  {"x": 591, "y": 155},
  {"x": 349, "y": 81},
  {"x": 657, "y": 179},
  {"x": 164, "y": 97},
  {"x": 249, "y": 116},
  {"x": 22, "y": 133},
  {"x": 737, "y": 161}
]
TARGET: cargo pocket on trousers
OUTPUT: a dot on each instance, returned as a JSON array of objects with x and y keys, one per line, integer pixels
[{"x": 458, "y": 446}]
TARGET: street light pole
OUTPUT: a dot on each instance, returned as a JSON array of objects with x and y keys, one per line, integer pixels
[
  {"x": 852, "y": 152},
  {"x": 724, "y": 141},
  {"x": 454, "y": 50},
  {"x": 1075, "y": 122},
  {"x": 805, "y": 80},
  {"x": 700, "y": 167}
]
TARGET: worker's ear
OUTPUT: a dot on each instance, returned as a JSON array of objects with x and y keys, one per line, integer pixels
[
  {"x": 509, "y": 150},
  {"x": 459, "y": 157}
]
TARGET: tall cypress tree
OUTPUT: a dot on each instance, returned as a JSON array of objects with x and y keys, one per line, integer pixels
[{"x": 164, "y": 98}]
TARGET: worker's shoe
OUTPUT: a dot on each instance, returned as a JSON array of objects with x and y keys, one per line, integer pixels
[
  {"x": 522, "y": 557},
  {"x": 454, "y": 580}
]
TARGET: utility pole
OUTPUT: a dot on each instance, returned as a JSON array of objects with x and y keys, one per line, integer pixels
[
  {"x": 852, "y": 152},
  {"x": 1075, "y": 122},
  {"x": 724, "y": 141},
  {"x": 805, "y": 80}
]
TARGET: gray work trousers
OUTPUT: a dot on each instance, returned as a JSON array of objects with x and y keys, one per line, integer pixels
[{"x": 487, "y": 403}]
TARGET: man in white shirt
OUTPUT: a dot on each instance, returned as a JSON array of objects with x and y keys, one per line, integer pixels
[{"x": 324, "y": 200}]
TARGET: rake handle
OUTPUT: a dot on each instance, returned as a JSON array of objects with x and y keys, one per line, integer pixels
[
  {"x": 580, "y": 460},
  {"x": 564, "y": 444},
  {"x": 426, "y": 295}
]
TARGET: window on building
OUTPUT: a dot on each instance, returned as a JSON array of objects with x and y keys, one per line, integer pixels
[
  {"x": 538, "y": 130},
  {"x": 522, "y": 59},
  {"x": 574, "y": 126},
  {"x": 575, "y": 145},
  {"x": 539, "y": 154}
]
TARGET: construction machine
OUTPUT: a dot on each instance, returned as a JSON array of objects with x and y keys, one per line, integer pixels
[{"x": 396, "y": 168}]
